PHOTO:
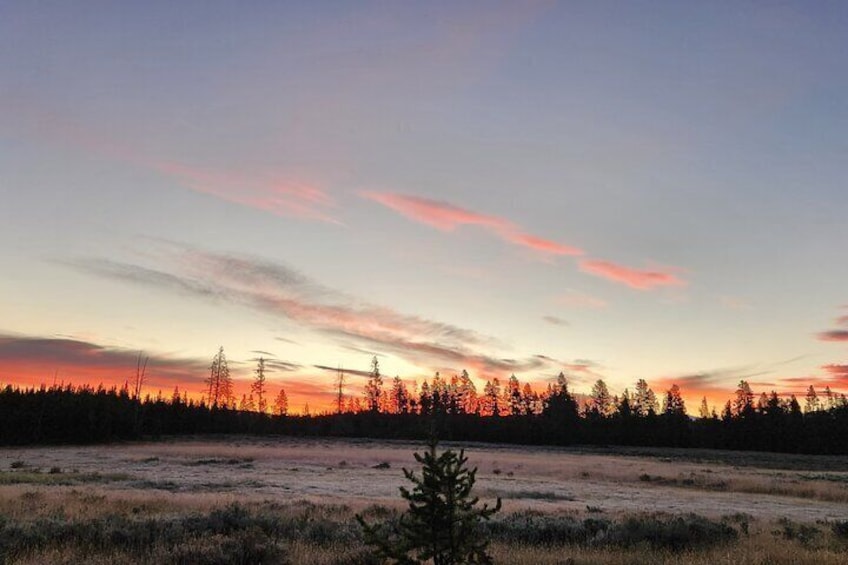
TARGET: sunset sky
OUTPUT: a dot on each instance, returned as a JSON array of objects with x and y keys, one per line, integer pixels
[{"x": 616, "y": 190}]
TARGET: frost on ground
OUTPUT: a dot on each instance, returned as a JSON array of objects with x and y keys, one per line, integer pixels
[{"x": 362, "y": 472}]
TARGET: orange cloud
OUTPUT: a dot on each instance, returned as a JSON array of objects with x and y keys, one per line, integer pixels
[
  {"x": 447, "y": 217},
  {"x": 32, "y": 361},
  {"x": 634, "y": 278}
]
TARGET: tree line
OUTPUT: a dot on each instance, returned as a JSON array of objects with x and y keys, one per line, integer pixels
[{"x": 510, "y": 412}]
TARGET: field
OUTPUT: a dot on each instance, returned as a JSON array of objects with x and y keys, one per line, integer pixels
[{"x": 291, "y": 500}]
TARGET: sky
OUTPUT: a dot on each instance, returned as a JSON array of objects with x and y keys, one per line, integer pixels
[{"x": 616, "y": 190}]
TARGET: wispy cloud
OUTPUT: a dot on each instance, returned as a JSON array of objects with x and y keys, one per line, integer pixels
[
  {"x": 715, "y": 384},
  {"x": 634, "y": 278},
  {"x": 271, "y": 193},
  {"x": 283, "y": 291},
  {"x": 347, "y": 372},
  {"x": 447, "y": 217},
  {"x": 834, "y": 335},
  {"x": 556, "y": 321}
]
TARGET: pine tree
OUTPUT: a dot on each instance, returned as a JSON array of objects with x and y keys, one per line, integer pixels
[
  {"x": 219, "y": 384},
  {"x": 257, "y": 388},
  {"x": 674, "y": 404},
  {"x": 399, "y": 399},
  {"x": 281, "y": 403},
  {"x": 374, "y": 387},
  {"x": 704, "y": 411},
  {"x": 442, "y": 520},
  {"x": 644, "y": 400},
  {"x": 512, "y": 396},
  {"x": 812, "y": 400},
  {"x": 600, "y": 400},
  {"x": 467, "y": 393}
]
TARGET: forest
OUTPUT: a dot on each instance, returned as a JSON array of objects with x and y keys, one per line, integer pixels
[{"x": 452, "y": 408}]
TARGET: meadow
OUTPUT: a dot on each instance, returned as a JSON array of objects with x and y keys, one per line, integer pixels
[{"x": 291, "y": 500}]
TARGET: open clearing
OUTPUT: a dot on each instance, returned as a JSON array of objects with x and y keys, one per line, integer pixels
[{"x": 203, "y": 471}]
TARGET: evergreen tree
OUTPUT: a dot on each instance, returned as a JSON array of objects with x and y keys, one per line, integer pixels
[
  {"x": 644, "y": 400},
  {"x": 491, "y": 398},
  {"x": 257, "y": 388},
  {"x": 281, "y": 403},
  {"x": 704, "y": 411},
  {"x": 600, "y": 400},
  {"x": 219, "y": 384},
  {"x": 812, "y": 401},
  {"x": 467, "y": 394},
  {"x": 674, "y": 404},
  {"x": 399, "y": 397},
  {"x": 374, "y": 387},
  {"x": 442, "y": 519},
  {"x": 743, "y": 405},
  {"x": 512, "y": 397}
]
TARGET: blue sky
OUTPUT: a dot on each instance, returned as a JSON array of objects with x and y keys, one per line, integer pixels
[{"x": 628, "y": 190}]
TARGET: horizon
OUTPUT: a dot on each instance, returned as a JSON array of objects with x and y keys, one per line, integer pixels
[{"x": 610, "y": 191}]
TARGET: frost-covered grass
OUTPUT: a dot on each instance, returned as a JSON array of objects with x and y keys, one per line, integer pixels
[{"x": 291, "y": 500}]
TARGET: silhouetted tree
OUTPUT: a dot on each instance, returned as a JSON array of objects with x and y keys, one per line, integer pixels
[
  {"x": 812, "y": 400},
  {"x": 512, "y": 396},
  {"x": 600, "y": 400},
  {"x": 398, "y": 397},
  {"x": 247, "y": 403},
  {"x": 340, "y": 382},
  {"x": 374, "y": 388},
  {"x": 703, "y": 410},
  {"x": 467, "y": 393},
  {"x": 281, "y": 403},
  {"x": 491, "y": 398},
  {"x": 219, "y": 385},
  {"x": 644, "y": 400},
  {"x": 257, "y": 388},
  {"x": 743, "y": 404},
  {"x": 674, "y": 404}
]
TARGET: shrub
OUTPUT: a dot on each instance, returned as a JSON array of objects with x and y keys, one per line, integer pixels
[{"x": 840, "y": 529}]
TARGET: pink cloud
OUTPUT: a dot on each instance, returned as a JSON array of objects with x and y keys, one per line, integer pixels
[
  {"x": 282, "y": 197},
  {"x": 541, "y": 245},
  {"x": 842, "y": 321},
  {"x": 634, "y": 278},
  {"x": 440, "y": 215},
  {"x": 834, "y": 335},
  {"x": 447, "y": 217}
]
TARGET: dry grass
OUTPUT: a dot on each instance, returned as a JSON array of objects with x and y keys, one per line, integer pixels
[{"x": 334, "y": 479}]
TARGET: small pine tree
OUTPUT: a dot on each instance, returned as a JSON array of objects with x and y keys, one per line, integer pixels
[{"x": 442, "y": 520}]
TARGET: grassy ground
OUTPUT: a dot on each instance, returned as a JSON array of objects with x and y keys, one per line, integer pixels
[
  {"x": 240, "y": 500},
  {"x": 85, "y": 525}
]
